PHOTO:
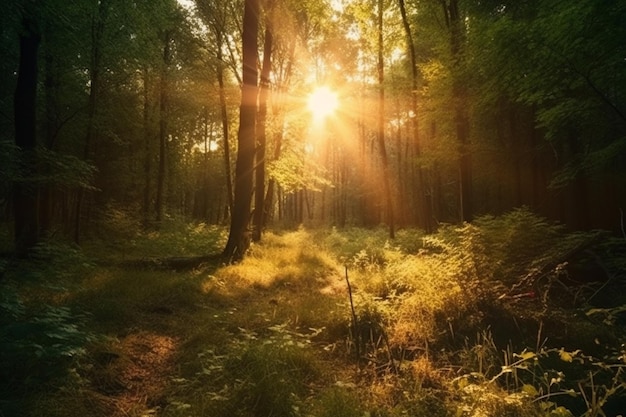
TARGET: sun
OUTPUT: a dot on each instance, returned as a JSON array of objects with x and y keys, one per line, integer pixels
[{"x": 322, "y": 102}]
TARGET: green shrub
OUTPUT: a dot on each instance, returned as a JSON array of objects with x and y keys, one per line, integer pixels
[
  {"x": 337, "y": 402},
  {"x": 267, "y": 376},
  {"x": 38, "y": 343}
]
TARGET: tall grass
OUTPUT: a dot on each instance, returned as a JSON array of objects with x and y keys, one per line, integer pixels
[{"x": 459, "y": 323}]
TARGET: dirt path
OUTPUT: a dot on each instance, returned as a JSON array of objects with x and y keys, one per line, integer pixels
[{"x": 134, "y": 378}]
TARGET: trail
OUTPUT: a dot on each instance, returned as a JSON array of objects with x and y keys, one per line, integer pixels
[{"x": 137, "y": 376}]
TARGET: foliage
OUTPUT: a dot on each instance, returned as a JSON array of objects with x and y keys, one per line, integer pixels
[
  {"x": 549, "y": 375},
  {"x": 121, "y": 232},
  {"x": 286, "y": 259},
  {"x": 37, "y": 344},
  {"x": 197, "y": 239},
  {"x": 544, "y": 57},
  {"x": 441, "y": 332},
  {"x": 337, "y": 401},
  {"x": 266, "y": 376},
  {"x": 520, "y": 242},
  {"x": 64, "y": 171},
  {"x": 465, "y": 277},
  {"x": 41, "y": 338}
]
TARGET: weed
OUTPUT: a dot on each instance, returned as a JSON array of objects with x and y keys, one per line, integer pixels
[
  {"x": 264, "y": 376},
  {"x": 442, "y": 322},
  {"x": 39, "y": 345},
  {"x": 337, "y": 401}
]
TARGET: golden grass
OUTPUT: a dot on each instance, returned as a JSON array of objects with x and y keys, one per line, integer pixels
[{"x": 222, "y": 340}]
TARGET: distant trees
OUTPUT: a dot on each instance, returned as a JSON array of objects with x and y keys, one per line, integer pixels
[
  {"x": 381, "y": 122},
  {"x": 466, "y": 108},
  {"x": 455, "y": 23},
  {"x": 547, "y": 91}
]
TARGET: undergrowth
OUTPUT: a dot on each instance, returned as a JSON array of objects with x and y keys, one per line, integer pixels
[
  {"x": 41, "y": 337},
  {"x": 507, "y": 316}
]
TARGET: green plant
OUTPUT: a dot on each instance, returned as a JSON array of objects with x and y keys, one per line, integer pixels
[
  {"x": 337, "y": 401},
  {"x": 557, "y": 380},
  {"x": 266, "y": 376},
  {"x": 38, "y": 344}
]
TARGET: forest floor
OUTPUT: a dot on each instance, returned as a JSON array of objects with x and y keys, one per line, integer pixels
[
  {"x": 152, "y": 334},
  {"x": 309, "y": 324},
  {"x": 163, "y": 331}
]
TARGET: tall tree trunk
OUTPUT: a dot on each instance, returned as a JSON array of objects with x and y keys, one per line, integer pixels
[
  {"x": 461, "y": 117},
  {"x": 51, "y": 129},
  {"x": 278, "y": 136},
  {"x": 147, "y": 141},
  {"x": 97, "y": 34},
  {"x": 238, "y": 238},
  {"x": 259, "y": 191},
  {"x": 224, "y": 115},
  {"x": 423, "y": 204},
  {"x": 163, "y": 128},
  {"x": 381, "y": 124},
  {"x": 25, "y": 197}
]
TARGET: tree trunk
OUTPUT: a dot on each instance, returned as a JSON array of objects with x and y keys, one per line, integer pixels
[
  {"x": 97, "y": 33},
  {"x": 259, "y": 192},
  {"x": 239, "y": 238},
  {"x": 225, "y": 129},
  {"x": 163, "y": 128},
  {"x": 461, "y": 118},
  {"x": 381, "y": 124},
  {"x": 423, "y": 206},
  {"x": 25, "y": 198},
  {"x": 147, "y": 141},
  {"x": 279, "y": 113},
  {"x": 51, "y": 128}
]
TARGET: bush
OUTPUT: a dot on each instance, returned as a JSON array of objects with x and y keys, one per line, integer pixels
[
  {"x": 337, "y": 402},
  {"x": 264, "y": 377},
  {"x": 37, "y": 344}
]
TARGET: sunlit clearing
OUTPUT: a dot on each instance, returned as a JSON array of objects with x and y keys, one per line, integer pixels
[{"x": 322, "y": 103}]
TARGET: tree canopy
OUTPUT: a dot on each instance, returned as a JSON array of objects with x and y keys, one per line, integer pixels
[{"x": 446, "y": 110}]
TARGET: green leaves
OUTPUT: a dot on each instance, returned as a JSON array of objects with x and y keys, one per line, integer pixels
[
  {"x": 563, "y": 60},
  {"x": 41, "y": 345},
  {"x": 266, "y": 374},
  {"x": 64, "y": 171}
]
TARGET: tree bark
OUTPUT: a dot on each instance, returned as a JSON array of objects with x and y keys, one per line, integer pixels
[
  {"x": 423, "y": 204},
  {"x": 147, "y": 143},
  {"x": 239, "y": 238},
  {"x": 97, "y": 34},
  {"x": 51, "y": 128},
  {"x": 461, "y": 118},
  {"x": 25, "y": 197},
  {"x": 381, "y": 125},
  {"x": 224, "y": 115},
  {"x": 163, "y": 128},
  {"x": 279, "y": 113},
  {"x": 259, "y": 191}
]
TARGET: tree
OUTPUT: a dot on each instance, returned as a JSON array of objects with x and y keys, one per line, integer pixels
[
  {"x": 546, "y": 81},
  {"x": 239, "y": 238},
  {"x": 25, "y": 195},
  {"x": 259, "y": 191},
  {"x": 381, "y": 122},
  {"x": 423, "y": 204},
  {"x": 163, "y": 124},
  {"x": 99, "y": 20},
  {"x": 221, "y": 24},
  {"x": 456, "y": 27}
]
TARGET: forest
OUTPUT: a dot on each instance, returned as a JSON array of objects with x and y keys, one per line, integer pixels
[{"x": 313, "y": 208}]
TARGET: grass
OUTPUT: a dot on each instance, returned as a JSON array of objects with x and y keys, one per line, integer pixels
[{"x": 274, "y": 335}]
